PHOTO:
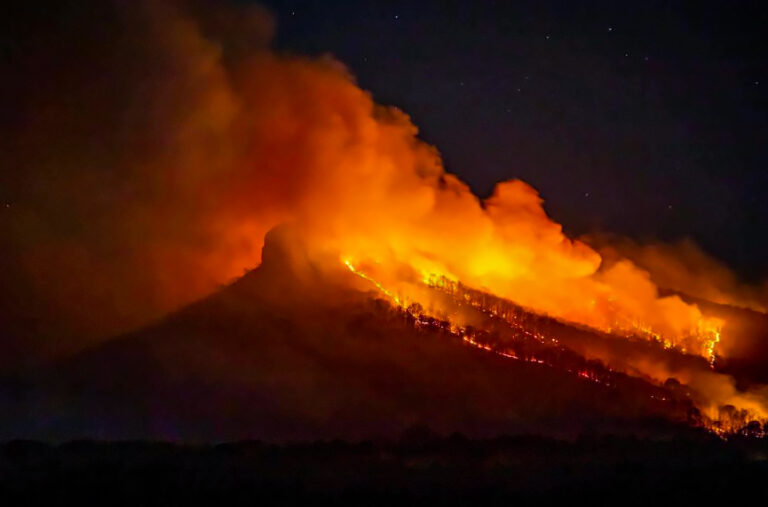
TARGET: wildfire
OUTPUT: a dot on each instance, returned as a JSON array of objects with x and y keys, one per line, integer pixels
[
  {"x": 711, "y": 331},
  {"x": 704, "y": 340},
  {"x": 251, "y": 143},
  {"x": 726, "y": 422},
  {"x": 381, "y": 288}
]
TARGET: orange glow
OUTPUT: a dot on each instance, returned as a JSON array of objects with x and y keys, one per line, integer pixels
[
  {"x": 724, "y": 411},
  {"x": 257, "y": 141},
  {"x": 201, "y": 172}
]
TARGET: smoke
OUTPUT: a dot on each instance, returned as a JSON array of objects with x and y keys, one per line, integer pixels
[
  {"x": 684, "y": 267},
  {"x": 154, "y": 144},
  {"x": 119, "y": 163}
]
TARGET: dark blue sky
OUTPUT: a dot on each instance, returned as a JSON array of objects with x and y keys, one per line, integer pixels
[{"x": 647, "y": 119}]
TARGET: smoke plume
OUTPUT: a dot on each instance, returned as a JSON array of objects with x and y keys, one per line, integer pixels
[
  {"x": 684, "y": 267},
  {"x": 152, "y": 145}
]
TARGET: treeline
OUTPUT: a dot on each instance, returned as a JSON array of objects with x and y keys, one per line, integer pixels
[
  {"x": 419, "y": 467},
  {"x": 523, "y": 338}
]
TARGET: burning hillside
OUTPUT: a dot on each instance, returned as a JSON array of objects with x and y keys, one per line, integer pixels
[
  {"x": 212, "y": 140},
  {"x": 293, "y": 352},
  {"x": 506, "y": 329},
  {"x": 296, "y": 351}
]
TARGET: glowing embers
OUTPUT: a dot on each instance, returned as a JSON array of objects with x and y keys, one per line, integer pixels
[
  {"x": 504, "y": 329},
  {"x": 711, "y": 330},
  {"x": 701, "y": 341},
  {"x": 381, "y": 288},
  {"x": 521, "y": 342}
]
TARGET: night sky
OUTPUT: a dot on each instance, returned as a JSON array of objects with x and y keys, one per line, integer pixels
[{"x": 647, "y": 119}]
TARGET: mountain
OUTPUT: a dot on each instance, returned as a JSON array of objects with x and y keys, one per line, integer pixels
[{"x": 291, "y": 351}]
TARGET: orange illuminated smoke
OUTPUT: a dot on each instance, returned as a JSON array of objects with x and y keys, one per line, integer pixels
[
  {"x": 367, "y": 195},
  {"x": 739, "y": 409}
]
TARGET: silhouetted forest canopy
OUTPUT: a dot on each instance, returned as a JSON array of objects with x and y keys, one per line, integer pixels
[{"x": 420, "y": 466}]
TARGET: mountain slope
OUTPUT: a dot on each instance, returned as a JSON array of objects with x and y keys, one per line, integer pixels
[{"x": 291, "y": 352}]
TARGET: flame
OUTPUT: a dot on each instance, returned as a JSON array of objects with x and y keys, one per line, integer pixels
[
  {"x": 381, "y": 288},
  {"x": 256, "y": 140},
  {"x": 699, "y": 336},
  {"x": 259, "y": 139},
  {"x": 721, "y": 418}
]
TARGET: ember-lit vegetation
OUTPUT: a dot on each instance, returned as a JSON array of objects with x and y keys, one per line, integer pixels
[{"x": 511, "y": 331}]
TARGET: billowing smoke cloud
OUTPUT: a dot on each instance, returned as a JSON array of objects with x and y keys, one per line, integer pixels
[
  {"x": 154, "y": 144},
  {"x": 119, "y": 168},
  {"x": 684, "y": 267}
]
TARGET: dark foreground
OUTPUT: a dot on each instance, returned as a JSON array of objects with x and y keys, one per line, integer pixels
[{"x": 420, "y": 468}]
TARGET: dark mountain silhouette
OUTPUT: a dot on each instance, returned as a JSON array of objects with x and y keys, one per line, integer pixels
[{"x": 289, "y": 351}]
